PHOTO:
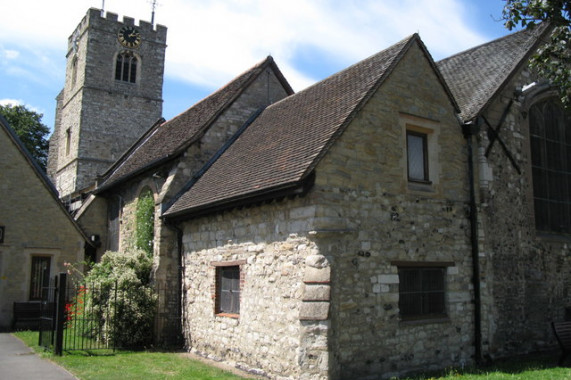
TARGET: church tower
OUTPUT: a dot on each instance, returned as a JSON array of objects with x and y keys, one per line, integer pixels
[{"x": 112, "y": 95}]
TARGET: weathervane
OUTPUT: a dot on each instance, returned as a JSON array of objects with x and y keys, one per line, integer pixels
[{"x": 154, "y": 4}]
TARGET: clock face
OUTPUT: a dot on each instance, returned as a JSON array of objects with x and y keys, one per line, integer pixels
[{"x": 129, "y": 36}]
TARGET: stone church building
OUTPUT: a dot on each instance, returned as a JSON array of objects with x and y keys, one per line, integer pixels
[
  {"x": 401, "y": 215},
  {"x": 37, "y": 234}
]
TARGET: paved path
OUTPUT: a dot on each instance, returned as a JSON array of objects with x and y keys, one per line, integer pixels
[{"x": 18, "y": 361}]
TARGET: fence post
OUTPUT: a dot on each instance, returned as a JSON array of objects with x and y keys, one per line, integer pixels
[{"x": 60, "y": 313}]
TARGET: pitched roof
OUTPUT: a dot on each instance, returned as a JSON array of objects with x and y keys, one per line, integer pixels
[
  {"x": 476, "y": 75},
  {"x": 40, "y": 174},
  {"x": 166, "y": 140},
  {"x": 283, "y": 145}
]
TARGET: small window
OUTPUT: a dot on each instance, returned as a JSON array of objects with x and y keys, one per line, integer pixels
[
  {"x": 417, "y": 156},
  {"x": 228, "y": 289},
  {"x": 421, "y": 292},
  {"x": 73, "y": 71},
  {"x": 67, "y": 141},
  {"x": 40, "y": 276},
  {"x": 126, "y": 67}
]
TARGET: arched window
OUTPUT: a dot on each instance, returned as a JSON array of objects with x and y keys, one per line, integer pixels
[
  {"x": 126, "y": 67},
  {"x": 550, "y": 134},
  {"x": 145, "y": 218}
]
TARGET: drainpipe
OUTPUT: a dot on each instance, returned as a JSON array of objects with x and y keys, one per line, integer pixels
[{"x": 469, "y": 129}]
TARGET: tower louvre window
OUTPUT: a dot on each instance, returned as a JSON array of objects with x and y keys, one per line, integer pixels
[{"x": 126, "y": 67}]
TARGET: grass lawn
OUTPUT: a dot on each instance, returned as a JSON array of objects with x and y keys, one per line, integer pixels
[{"x": 126, "y": 365}]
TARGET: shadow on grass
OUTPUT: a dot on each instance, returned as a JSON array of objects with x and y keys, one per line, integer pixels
[
  {"x": 124, "y": 351},
  {"x": 512, "y": 366}
]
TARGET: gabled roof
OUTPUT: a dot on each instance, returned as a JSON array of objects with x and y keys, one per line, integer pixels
[
  {"x": 475, "y": 76},
  {"x": 40, "y": 174},
  {"x": 280, "y": 149},
  {"x": 165, "y": 141}
]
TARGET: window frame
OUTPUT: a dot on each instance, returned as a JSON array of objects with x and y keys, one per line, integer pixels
[
  {"x": 425, "y": 165},
  {"x": 114, "y": 214},
  {"x": 550, "y": 168},
  {"x": 127, "y": 67},
  {"x": 422, "y": 267},
  {"x": 234, "y": 287},
  {"x": 36, "y": 260},
  {"x": 67, "y": 141}
]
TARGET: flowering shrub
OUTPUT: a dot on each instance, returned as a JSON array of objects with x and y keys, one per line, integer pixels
[
  {"x": 121, "y": 299},
  {"x": 75, "y": 309}
]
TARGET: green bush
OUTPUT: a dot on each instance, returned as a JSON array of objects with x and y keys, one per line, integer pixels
[
  {"x": 145, "y": 219},
  {"x": 124, "y": 317}
]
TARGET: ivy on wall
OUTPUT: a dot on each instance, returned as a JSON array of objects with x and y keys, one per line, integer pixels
[{"x": 145, "y": 220}]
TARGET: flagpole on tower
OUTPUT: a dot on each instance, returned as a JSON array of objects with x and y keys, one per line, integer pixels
[{"x": 102, "y": 8}]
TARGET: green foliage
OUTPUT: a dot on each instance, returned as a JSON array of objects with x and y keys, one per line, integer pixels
[
  {"x": 132, "y": 306},
  {"x": 552, "y": 61},
  {"x": 145, "y": 222},
  {"x": 29, "y": 128}
]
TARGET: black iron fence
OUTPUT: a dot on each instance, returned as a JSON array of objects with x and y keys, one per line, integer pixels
[{"x": 106, "y": 317}]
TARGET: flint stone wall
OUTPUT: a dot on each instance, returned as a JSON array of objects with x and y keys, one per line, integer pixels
[
  {"x": 527, "y": 271},
  {"x": 282, "y": 330}
]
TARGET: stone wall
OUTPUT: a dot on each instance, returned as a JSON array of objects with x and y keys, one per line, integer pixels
[
  {"x": 323, "y": 268},
  {"x": 35, "y": 225},
  {"x": 528, "y": 272},
  {"x": 96, "y": 110},
  {"x": 272, "y": 336},
  {"x": 370, "y": 220},
  {"x": 266, "y": 88}
]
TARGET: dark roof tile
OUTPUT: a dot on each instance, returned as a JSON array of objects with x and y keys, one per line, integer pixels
[
  {"x": 283, "y": 145},
  {"x": 476, "y": 75}
]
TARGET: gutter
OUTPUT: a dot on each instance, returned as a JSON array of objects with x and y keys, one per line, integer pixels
[
  {"x": 469, "y": 129},
  {"x": 298, "y": 188}
]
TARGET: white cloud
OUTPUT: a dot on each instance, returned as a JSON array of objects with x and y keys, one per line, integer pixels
[
  {"x": 10, "y": 102},
  {"x": 210, "y": 42},
  {"x": 10, "y": 54}
]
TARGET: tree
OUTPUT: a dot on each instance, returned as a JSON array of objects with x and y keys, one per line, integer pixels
[
  {"x": 29, "y": 128},
  {"x": 553, "y": 60}
]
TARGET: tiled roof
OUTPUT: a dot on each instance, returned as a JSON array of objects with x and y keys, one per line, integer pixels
[
  {"x": 167, "y": 140},
  {"x": 476, "y": 75},
  {"x": 283, "y": 145}
]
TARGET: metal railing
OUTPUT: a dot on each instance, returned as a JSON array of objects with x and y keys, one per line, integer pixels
[{"x": 106, "y": 317}]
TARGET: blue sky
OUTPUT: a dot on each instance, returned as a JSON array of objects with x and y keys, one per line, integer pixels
[{"x": 212, "y": 41}]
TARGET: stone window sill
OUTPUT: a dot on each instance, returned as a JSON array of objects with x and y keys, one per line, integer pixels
[
  {"x": 425, "y": 187},
  {"x": 424, "y": 320},
  {"x": 228, "y": 315},
  {"x": 553, "y": 236}
]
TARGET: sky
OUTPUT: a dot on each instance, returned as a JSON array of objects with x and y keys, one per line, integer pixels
[{"x": 212, "y": 41}]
